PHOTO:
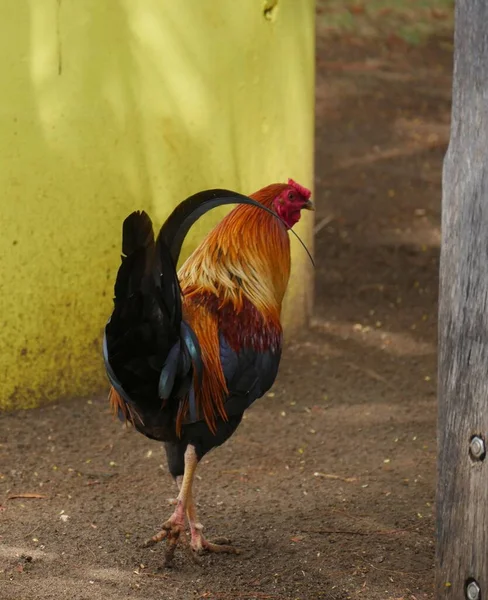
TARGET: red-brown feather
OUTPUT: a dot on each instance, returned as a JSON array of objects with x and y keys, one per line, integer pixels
[{"x": 242, "y": 327}]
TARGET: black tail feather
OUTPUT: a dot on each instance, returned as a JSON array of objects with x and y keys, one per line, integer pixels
[
  {"x": 137, "y": 244},
  {"x": 137, "y": 232}
]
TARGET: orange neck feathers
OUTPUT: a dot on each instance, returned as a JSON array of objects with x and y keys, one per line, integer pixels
[{"x": 247, "y": 256}]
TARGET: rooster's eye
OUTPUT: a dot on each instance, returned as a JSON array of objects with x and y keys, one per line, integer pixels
[{"x": 290, "y": 195}]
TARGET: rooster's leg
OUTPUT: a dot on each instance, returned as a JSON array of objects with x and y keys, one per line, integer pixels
[
  {"x": 198, "y": 542},
  {"x": 175, "y": 525}
]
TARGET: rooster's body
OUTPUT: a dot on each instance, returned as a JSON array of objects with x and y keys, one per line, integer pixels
[{"x": 187, "y": 354}]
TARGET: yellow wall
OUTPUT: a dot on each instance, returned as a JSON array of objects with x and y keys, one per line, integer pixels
[{"x": 108, "y": 106}]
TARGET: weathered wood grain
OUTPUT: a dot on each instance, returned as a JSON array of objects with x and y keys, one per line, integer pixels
[{"x": 462, "y": 499}]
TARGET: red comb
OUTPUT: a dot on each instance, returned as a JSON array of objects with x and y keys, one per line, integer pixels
[{"x": 303, "y": 191}]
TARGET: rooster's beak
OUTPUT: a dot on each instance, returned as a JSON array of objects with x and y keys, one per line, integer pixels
[{"x": 308, "y": 205}]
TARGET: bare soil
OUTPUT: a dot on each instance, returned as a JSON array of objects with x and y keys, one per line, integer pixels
[{"x": 328, "y": 485}]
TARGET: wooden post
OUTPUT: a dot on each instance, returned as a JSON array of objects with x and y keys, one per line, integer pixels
[{"x": 462, "y": 500}]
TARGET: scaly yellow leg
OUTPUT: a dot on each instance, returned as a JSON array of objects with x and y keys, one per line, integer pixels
[
  {"x": 175, "y": 525},
  {"x": 198, "y": 542}
]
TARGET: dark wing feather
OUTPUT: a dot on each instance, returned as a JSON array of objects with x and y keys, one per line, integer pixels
[
  {"x": 249, "y": 374},
  {"x": 169, "y": 371}
]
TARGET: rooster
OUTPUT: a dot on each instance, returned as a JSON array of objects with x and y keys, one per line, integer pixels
[{"x": 187, "y": 353}]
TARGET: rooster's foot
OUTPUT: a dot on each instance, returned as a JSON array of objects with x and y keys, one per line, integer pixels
[
  {"x": 171, "y": 531},
  {"x": 200, "y": 545}
]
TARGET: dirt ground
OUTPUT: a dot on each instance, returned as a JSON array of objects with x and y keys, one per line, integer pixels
[{"x": 328, "y": 486}]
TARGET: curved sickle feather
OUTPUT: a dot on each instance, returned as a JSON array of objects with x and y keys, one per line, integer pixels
[{"x": 177, "y": 225}]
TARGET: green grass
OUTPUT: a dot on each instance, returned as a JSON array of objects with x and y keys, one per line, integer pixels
[{"x": 411, "y": 20}]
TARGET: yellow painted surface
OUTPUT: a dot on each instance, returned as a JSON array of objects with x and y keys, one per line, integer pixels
[{"x": 110, "y": 106}]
